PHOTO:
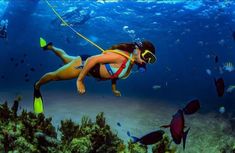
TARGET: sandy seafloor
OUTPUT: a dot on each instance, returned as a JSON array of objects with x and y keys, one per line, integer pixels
[{"x": 208, "y": 133}]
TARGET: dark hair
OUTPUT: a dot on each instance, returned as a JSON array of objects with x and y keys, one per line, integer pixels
[
  {"x": 128, "y": 47},
  {"x": 146, "y": 45}
]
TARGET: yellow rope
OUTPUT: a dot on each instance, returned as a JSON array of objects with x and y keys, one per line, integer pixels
[{"x": 66, "y": 24}]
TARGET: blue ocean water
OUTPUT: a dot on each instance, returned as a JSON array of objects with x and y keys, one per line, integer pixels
[{"x": 188, "y": 36}]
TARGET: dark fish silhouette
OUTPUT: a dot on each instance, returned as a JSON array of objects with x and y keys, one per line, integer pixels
[
  {"x": 216, "y": 59},
  {"x": 233, "y": 35},
  {"x": 22, "y": 61},
  {"x": 32, "y": 69},
  {"x": 26, "y": 75},
  {"x": 119, "y": 124},
  {"x": 12, "y": 59},
  {"x": 177, "y": 128},
  {"x": 128, "y": 133},
  {"x": 219, "y": 83},
  {"x": 192, "y": 107},
  {"x": 150, "y": 138}
]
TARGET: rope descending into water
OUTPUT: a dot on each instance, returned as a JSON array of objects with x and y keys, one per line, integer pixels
[{"x": 66, "y": 24}]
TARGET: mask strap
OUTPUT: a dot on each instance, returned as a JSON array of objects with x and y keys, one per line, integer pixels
[{"x": 135, "y": 51}]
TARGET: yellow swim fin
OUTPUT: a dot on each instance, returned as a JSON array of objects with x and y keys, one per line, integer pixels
[
  {"x": 44, "y": 45},
  {"x": 38, "y": 102},
  {"x": 43, "y": 42}
]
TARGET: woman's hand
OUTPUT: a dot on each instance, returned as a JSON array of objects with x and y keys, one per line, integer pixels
[
  {"x": 117, "y": 93},
  {"x": 114, "y": 89},
  {"x": 80, "y": 87}
]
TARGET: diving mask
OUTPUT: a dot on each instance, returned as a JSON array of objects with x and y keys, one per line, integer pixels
[
  {"x": 147, "y": 51},
  {"x": 148, "y": 56}
]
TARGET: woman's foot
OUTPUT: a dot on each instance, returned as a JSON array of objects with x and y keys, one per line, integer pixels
[
  {"x": 36, "y": 86},
  {"x": 49, "y": 46},
  {"x": 44, "y": 45}
]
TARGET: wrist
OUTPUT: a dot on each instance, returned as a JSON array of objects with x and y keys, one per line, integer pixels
[{"x": 80, "y": 79}]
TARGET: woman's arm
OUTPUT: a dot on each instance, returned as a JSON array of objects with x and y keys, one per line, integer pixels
[
  {"x": 115, "y": 91},
  {"x": 91, "y": 62}
]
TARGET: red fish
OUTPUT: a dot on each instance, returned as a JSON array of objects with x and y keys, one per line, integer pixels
[
  {"x": 150, "y": 138},
  {"x": 192, "y": 107},
  {"x": 219, "y": 83},
  {"x": 177, "y": 128}
]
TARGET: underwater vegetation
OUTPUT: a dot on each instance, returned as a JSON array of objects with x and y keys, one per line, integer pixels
[
  {"x": 28, "y": 132},
  {"x": 25, "y": 132},
  {"x": 228, "y": 149},
  {"x": 164, "y": 146}
]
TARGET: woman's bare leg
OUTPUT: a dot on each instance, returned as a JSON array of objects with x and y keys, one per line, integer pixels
[
  {"x": 66, "y": 72},
  {"x": 62, "y": 54}
]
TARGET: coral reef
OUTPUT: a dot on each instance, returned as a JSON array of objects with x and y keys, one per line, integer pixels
[
  {"x": 136, "y": 148},
  {"x": 28, "y": 132},
  {"x": 228, "y": 148},
  {"x": 89, "y": 136},
  {"x": 164, "y": 146}
]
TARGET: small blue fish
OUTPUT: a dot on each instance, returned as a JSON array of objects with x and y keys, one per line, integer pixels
[
  {"x": 230, "y": 88},
  {"x": 208, "y": 71},
  {"x": 128, "y": 133},
  {"x": 228, "y": 66},
  {"x": 222, "y": 109}
]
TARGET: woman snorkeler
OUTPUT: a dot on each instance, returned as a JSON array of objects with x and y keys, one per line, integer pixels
[{"x": 113, "y": 64}]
